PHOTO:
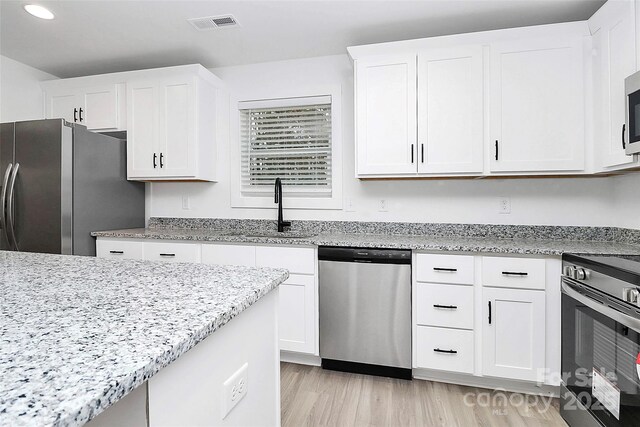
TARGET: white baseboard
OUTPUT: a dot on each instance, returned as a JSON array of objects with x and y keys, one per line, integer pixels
[
  {"x": 300, "y": 358},
  {"x": 487, "y": 382}
]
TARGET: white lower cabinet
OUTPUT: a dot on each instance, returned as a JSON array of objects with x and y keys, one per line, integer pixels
[
  {"x": 118, "y": 249},
  {"x": 229, "y": 254},
  {"x": 297, "y": 314},
  {"x": 445, "y": 349},
  {"x": 445, "y": 305},
  {"x": 298, "y": 317},
  {"x": 498, "y": 317},
  {"x": 513, "y": 336},
  {"x": 172, "y": 252}
]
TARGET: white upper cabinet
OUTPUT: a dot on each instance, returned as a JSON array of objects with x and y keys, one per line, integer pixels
[
  {"x": 175, "y": 119},
  {"x": 99, "y": 108},
  {"x": 386, "y": 115},
  {"x": 450, "y": 110},
  {"x": 537, "y": 105},
  {"x": 613, "y": 28}
]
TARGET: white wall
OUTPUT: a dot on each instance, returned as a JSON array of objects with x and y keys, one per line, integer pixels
[
  {"x": 21, "y": 97},
  {"x": 626, "y": 205},
  {"x": 584, "y": 201}
]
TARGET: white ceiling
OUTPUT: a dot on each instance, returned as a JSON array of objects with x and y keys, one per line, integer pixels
[{"x": 92, "y": 37}]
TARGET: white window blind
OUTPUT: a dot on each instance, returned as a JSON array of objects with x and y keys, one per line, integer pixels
[{"x": 286, "y": 138}]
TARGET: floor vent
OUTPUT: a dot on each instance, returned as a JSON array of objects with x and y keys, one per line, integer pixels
[{"x": 213, "y": 22}]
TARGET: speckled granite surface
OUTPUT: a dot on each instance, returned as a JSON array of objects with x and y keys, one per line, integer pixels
[
  {"x": 403, "y": 228},
  {"x": 548, "y": 246},
  {"x": 79, "y": 333}
]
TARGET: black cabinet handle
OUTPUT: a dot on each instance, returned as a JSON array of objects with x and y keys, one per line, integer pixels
[
  {"x": 449, "y": 270},
  {"x": 496, "y": 149},
  {"x": 422, "y": 152},
  {"x": 116, "y": 252},
  {"x": 161, "y": 164},
  {"x": 412, "y": 153},
  {"x": 489, "y": 312},
  {"x": 80, "y": 115},
  {"x": 75, "y": 115},
  {"x": 154, "y": 160},
  {"x": 451, "y": 307},
  {"x": 624, "y": 145},
  {"x": 437, "y": 350},
  {"x": 514, "y": 273},
  {"x": 168, "y": 255}
]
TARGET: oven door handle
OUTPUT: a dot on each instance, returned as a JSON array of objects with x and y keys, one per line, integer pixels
[{"x": 622, "y": 318}]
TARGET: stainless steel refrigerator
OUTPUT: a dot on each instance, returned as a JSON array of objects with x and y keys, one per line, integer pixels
[{"x": 59, "y": 183}]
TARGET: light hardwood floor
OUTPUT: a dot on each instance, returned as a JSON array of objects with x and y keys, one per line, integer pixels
[{"x": 312, "y": 396}]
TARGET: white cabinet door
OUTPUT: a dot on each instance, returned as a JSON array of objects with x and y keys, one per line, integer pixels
[
  {"x": 537, "y": 105},
  {"x": 100, "y": 107},
  {"x": 143, "y": 127},
  {"x": 614, "y": 31},
  {"x": 62, "y": 106},
  {"x": 297, "y": 319},
  {"x": 386, "y": 115},
  {"x": 177, "y": 152},
  {"x": 513, "y": 333},
  {"x": 450, "y": 110}
]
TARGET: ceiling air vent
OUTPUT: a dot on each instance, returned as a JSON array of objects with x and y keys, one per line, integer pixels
[{"x": 213, "y": 22}]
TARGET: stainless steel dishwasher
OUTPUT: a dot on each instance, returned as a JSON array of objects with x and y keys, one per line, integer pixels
[{"x": 365, "y": 310}]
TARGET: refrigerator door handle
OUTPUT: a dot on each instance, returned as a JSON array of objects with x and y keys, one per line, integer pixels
[
  {"x": 3, "y": 202},
  {"x": 11, "y": 223}
]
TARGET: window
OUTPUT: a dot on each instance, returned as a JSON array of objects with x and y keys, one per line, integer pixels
[
  {"x": 293, "y": 139},
  {"x": 287, "y": 138}
]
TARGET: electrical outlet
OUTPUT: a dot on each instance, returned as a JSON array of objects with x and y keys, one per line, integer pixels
[
  {"x": 186, "y": 205},
  {"x": 383, "y": 206},
  {"x": 504, "y": 206},
  {"x": 234, "y": 389},
  {"x": 348, "y": 205}
]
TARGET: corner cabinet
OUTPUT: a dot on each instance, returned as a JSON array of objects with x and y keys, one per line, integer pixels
[
  {"x": 537, "y": 105},
  {"x": 386, "y": 115},
  {"x": 613, "y": 29},
  {"x": 175, "y": 119}
]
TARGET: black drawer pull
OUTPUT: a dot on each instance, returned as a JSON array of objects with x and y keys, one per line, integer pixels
[
  {"x": 514, "y": 273},
  {"x": 116, "y": 252},
  {"x": 489, "y": 312},
  {"x": 169, "y": 255},
  {"x": 452, "y": 307},
  {"x": 437, "y": 350},
  {"x": 451, "y": 270}
]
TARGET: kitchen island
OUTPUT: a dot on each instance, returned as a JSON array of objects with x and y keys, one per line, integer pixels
[{"x": 148, "y": 342}]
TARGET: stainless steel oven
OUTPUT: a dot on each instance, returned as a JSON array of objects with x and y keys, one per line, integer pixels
[
  {"x": 630, "y": 134},
  {"x": 600, "y": 341}
]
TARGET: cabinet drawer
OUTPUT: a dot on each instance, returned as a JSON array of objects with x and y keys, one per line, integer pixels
[
  {"x": 457, "y": 269},
  {"x": 445, "y": 349},
  {"x": 118, "y": 249},
  {"x": 445, "y": 305},
  {"x": 296, "y": 260},
  {"x": 172, "y": 252},
  {"x": 229, "y": 255},
  {"x": 525, "y": 273}
]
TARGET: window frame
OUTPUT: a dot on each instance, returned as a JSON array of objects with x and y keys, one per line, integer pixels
[{"x": 291, "y": 200}]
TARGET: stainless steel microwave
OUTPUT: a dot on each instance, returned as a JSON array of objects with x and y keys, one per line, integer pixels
[{"x": 631, "y": 129}]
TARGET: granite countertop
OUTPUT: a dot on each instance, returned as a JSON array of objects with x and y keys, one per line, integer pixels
[
  {"x": 453, "y": 243},
  {"x": 79, "y": 333}
]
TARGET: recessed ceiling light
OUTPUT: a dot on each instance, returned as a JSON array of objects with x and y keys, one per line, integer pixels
[{"x": 38, "y": 11}]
